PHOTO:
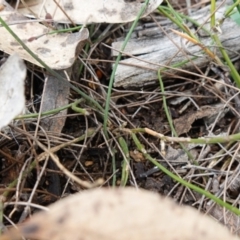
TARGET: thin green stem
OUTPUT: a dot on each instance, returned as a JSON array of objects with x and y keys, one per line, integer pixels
[
  {"x": 182, "y": 181},
  {"x": 78, "y": 109},
  {"x": 169, "y": 117},
  {"x": 53, "y": 111},
  {"x": 125, "y": 162},
  {"x": 234, "y": 73},
  {"x": 177, "y": 20},
  {"x": 229, "y": 10},
  {"x": 203, "y": 140},
  {"x": 212, "y": 12},
  {"x": 106, "y": 111}
]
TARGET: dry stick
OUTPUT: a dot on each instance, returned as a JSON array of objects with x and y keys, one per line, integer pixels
[{"x": 148, "y": 68}]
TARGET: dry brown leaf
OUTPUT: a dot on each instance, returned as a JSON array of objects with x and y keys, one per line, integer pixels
[
  {"x": 90, "y": 11},
  {"x": 119, "y": 214},
  {"x": 184, "y": 123},
  {"x": 137, "y": 156},
  {"x": 58, "y": 51}
]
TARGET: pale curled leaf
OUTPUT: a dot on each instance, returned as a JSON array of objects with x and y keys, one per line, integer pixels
[
  {"x": 12, "y": 98},
  {"x": 120, "y": 214},
  {"x": 90, "y": 11},
  {"x": 58, "y": 51}
]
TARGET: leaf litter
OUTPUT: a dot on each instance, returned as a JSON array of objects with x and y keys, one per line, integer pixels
[{"x": 88, "y": 155}]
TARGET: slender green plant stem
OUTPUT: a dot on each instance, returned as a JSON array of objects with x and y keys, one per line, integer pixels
[
  {"x": 163, "y": 10},
  {"x": 182, "y": 181},
  {"x": 234, "y": 73},
  {"x": 66, "y": 30},
  {"x": 212, "y": 11},
  {"x": 195, "y": 23},
  {"x": 169, "y": 117},
  {"x": 203, "y": 140},
  {"x": 53, "y": 111},
  {"x": 177, "y": 20},
  {"x": 213, "y": 140},
  {"x": 125, "y": 162},
  {"x": 79, "y": 110},
  {"x": 165, "y": 104},
  {"x": 216, "y": 39},
  {"x": 237, "y": 5},
  {"x": 106, "y": 111}
]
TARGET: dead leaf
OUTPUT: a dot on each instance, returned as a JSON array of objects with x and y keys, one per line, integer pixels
[
  {"x": 209, "y": 113},
  {"x": 91, "y": 11},
  {"x": 137, "y": 156},
  {"x": 58, "y": 51},
  {"x": 184, "y": 123},
  {"x": 119, "y": 214},
  {"x": 12, "y": 98}
]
